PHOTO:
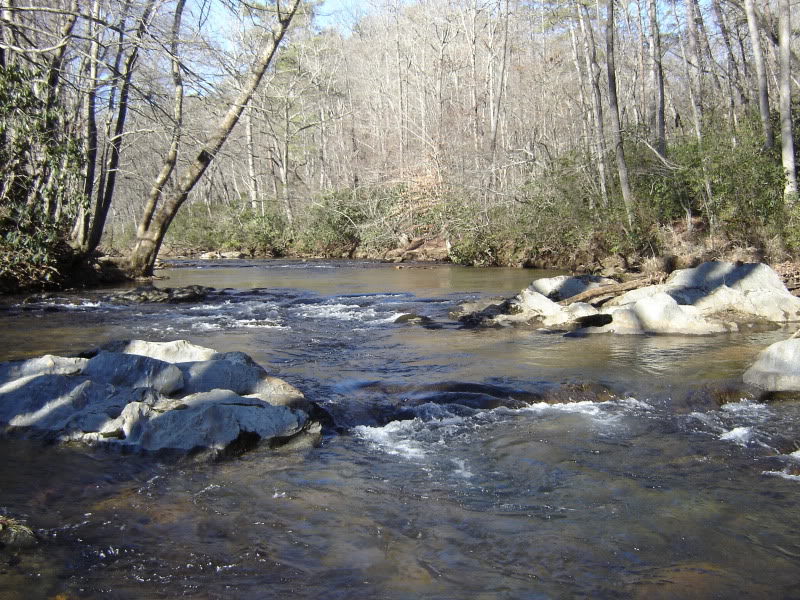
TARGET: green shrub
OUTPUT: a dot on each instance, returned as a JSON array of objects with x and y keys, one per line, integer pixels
[{"x": 40, "y": 171}]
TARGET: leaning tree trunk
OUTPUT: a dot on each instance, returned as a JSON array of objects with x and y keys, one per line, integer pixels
[
  {"x": 143, "y": 255},
  {"x": 787, "y": 137}
]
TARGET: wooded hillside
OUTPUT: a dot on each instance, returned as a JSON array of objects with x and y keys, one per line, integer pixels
[{"x": 517, "y": 130}]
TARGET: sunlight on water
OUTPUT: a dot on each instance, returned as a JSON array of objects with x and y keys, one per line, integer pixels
[{"x": 452, "y": 474}]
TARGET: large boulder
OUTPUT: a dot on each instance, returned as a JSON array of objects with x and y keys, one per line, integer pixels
[
  {"x": 714, "y": 297},
  {"x": 752, "y": 290},
  {"x": 58, "y": 405},
  {"x": 776, "y": 368},
  {"x": 150, "y": 396}
]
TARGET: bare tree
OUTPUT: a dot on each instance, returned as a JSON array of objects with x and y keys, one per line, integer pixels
[
  {"x": 142, "y": 257},
  {"x": 616, "y": 128},
  {"x": 761, "y": 74},
  {"x": 785, "y": 86}
]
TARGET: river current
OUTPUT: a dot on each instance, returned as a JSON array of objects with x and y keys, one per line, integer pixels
[{"x": 443, "y": 474}]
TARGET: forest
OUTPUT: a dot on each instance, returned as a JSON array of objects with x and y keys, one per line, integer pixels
[{"x": 521, "y": 132}]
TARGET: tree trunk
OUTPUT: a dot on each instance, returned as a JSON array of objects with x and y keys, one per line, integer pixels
[
  {"x": 616, "y": 128},
  {"x": 657, "y": 119},
  {"x": 143, "y": 255},
  {"x": 590, "y": 55},
  {"x": 694, "y": 67},
  {"x": 785, "y": 87},
  {"x": 106, "y": 194},
  {"x": 761, "y": 74}
]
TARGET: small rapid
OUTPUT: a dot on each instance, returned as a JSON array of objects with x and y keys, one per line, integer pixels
[{"x": 503, "y": 463}]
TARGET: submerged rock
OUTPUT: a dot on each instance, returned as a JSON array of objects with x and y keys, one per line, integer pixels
[
  {"x": 151, "y": 396},
  {"x": 152, "y": 294},
  {"x": 15, "y": 534}
]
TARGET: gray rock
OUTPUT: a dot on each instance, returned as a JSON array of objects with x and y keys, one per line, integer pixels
[
  {"x": 132, "y": 370},
  {"x": 776, "y": 368},
  {"x": 44, "y": 405},
  {"x": 239, "y": 373},
  {"x": 152, "y": 294},
  {"x": 209, "y": 420},
  {"x": 228, "y": 402},
  {"x": 233, "y": 254}
]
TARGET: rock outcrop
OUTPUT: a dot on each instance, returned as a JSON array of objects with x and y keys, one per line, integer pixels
[
  {"x": 151, "y": 396},
  {"x": 715, "y": 297}
]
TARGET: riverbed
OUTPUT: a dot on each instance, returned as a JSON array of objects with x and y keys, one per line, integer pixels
[{"x": 440, "y": 475}]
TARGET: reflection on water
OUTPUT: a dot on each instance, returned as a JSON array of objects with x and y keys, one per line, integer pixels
[{"x": 450, "y": 480}]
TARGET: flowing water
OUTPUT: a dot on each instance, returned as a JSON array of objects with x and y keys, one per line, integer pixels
[{"x": 444, "y": 477}]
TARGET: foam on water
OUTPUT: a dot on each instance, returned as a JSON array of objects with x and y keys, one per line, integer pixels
[
  {"x": 738, "y": 435},
  {"x": 781, "y": 474},
  {"x": 348, "y": 312}
]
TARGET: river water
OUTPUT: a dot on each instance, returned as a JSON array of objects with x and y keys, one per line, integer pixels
[{"x": 445, "y": 475}]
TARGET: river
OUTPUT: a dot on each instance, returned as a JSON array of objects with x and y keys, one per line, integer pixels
[{"x": 444, "y": 478}]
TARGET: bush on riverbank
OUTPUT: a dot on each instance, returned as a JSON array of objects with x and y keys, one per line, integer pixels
[{"x": 40, "y": 168}]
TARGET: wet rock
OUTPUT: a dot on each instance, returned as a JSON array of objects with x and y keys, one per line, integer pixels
[
  {"x": 776, "y": 368},
  {"x": 415, "y": 319},
  {"x": 577, "y": 392},
  {"x": 151, "y": 294}
]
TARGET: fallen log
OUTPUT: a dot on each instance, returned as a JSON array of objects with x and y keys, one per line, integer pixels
[{"x": 606, "y": 292}]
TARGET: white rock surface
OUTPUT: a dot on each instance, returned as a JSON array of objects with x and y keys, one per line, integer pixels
[
  {"x": 564, "y": 286},
  {"x": 752, "y": 289},
  {"x": 776, "y": 368},
  {"x": 42, "y": 365},
  {"x": 660, "y": 313},
  {"x": 177, "y": 351}
]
